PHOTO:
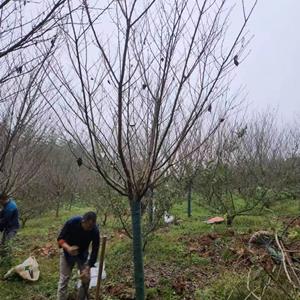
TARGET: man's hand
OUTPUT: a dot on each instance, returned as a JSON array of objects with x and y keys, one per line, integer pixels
[
  {"x": 72, "y": 250},
  {"x": 85, "y": 274}
]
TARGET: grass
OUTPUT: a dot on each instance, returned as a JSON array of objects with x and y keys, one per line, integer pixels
[{"x": 172, "y": 268}]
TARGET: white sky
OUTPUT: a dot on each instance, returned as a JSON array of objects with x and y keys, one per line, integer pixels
[{"x": 272, "y": 71}]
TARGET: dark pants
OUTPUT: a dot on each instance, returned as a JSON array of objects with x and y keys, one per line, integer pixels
[{"x": 7, "y": 235}]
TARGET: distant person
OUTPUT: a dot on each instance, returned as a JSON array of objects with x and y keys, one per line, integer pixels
[
  {"x": 9, "y": 218},
  {"x": 75, "y": 238}
]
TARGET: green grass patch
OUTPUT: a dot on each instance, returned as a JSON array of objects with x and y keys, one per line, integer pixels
[{"x": 168, "y": 247}]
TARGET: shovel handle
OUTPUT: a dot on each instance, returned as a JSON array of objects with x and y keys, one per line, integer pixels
[{"x": 101, "y": 261}]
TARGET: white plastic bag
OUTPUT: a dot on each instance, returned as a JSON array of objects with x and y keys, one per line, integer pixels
[
  {"x": 94, "y": 276},
  {"x": 168, "y": 218},
  {"x": 28, "y": 270}
]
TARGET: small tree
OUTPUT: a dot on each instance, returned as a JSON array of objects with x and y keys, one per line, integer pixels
[
  {"x": 101, "y": 196},
  {"x": 190, "y": 166},
  {"x": 60, "y": 174},
  {"x": 32, "y": 200},
  {"x": 247, "y": 168}
]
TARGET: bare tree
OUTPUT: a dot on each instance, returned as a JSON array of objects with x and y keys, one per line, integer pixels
[
  {"x": 192, "y": 155},
  {"x": 60, "y": 174},
  {"x": 289, "y": 177},
  {"x": 56, "y": 181},
  {"x": 135, "y": 92},
  {"x": 27, "y": 42},
  {"x": 248, "y": 168},
  {"x": 218, "y": 179},
  {"x": 23, "y": 127},
  {"x": 32, "y": 200}
]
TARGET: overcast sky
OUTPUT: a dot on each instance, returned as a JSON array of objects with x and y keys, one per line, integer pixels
[{"x": 272, "y": 71}]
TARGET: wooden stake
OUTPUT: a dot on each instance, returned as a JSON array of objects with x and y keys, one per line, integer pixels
[{"x": 101, "y": 261}]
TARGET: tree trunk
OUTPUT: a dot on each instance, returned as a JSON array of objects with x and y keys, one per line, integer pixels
[
  {"x": 230, "y": 220},
  {"x": 24, "y": 221},
  {"x": 137, "y": 249},
  {"x": 72, "y": 199},
  {"x": 57, "y": 207},
  {"x": 104, "y": 219},
  {"x": 189, "y": 199}
]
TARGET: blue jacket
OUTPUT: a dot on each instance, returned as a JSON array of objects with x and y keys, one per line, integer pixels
[
  {"x": 9, "y": 216},
  {"x": 74, "y": 234}
]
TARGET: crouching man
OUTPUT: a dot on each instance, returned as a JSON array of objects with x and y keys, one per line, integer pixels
[{"x": 75, "y": 238}]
